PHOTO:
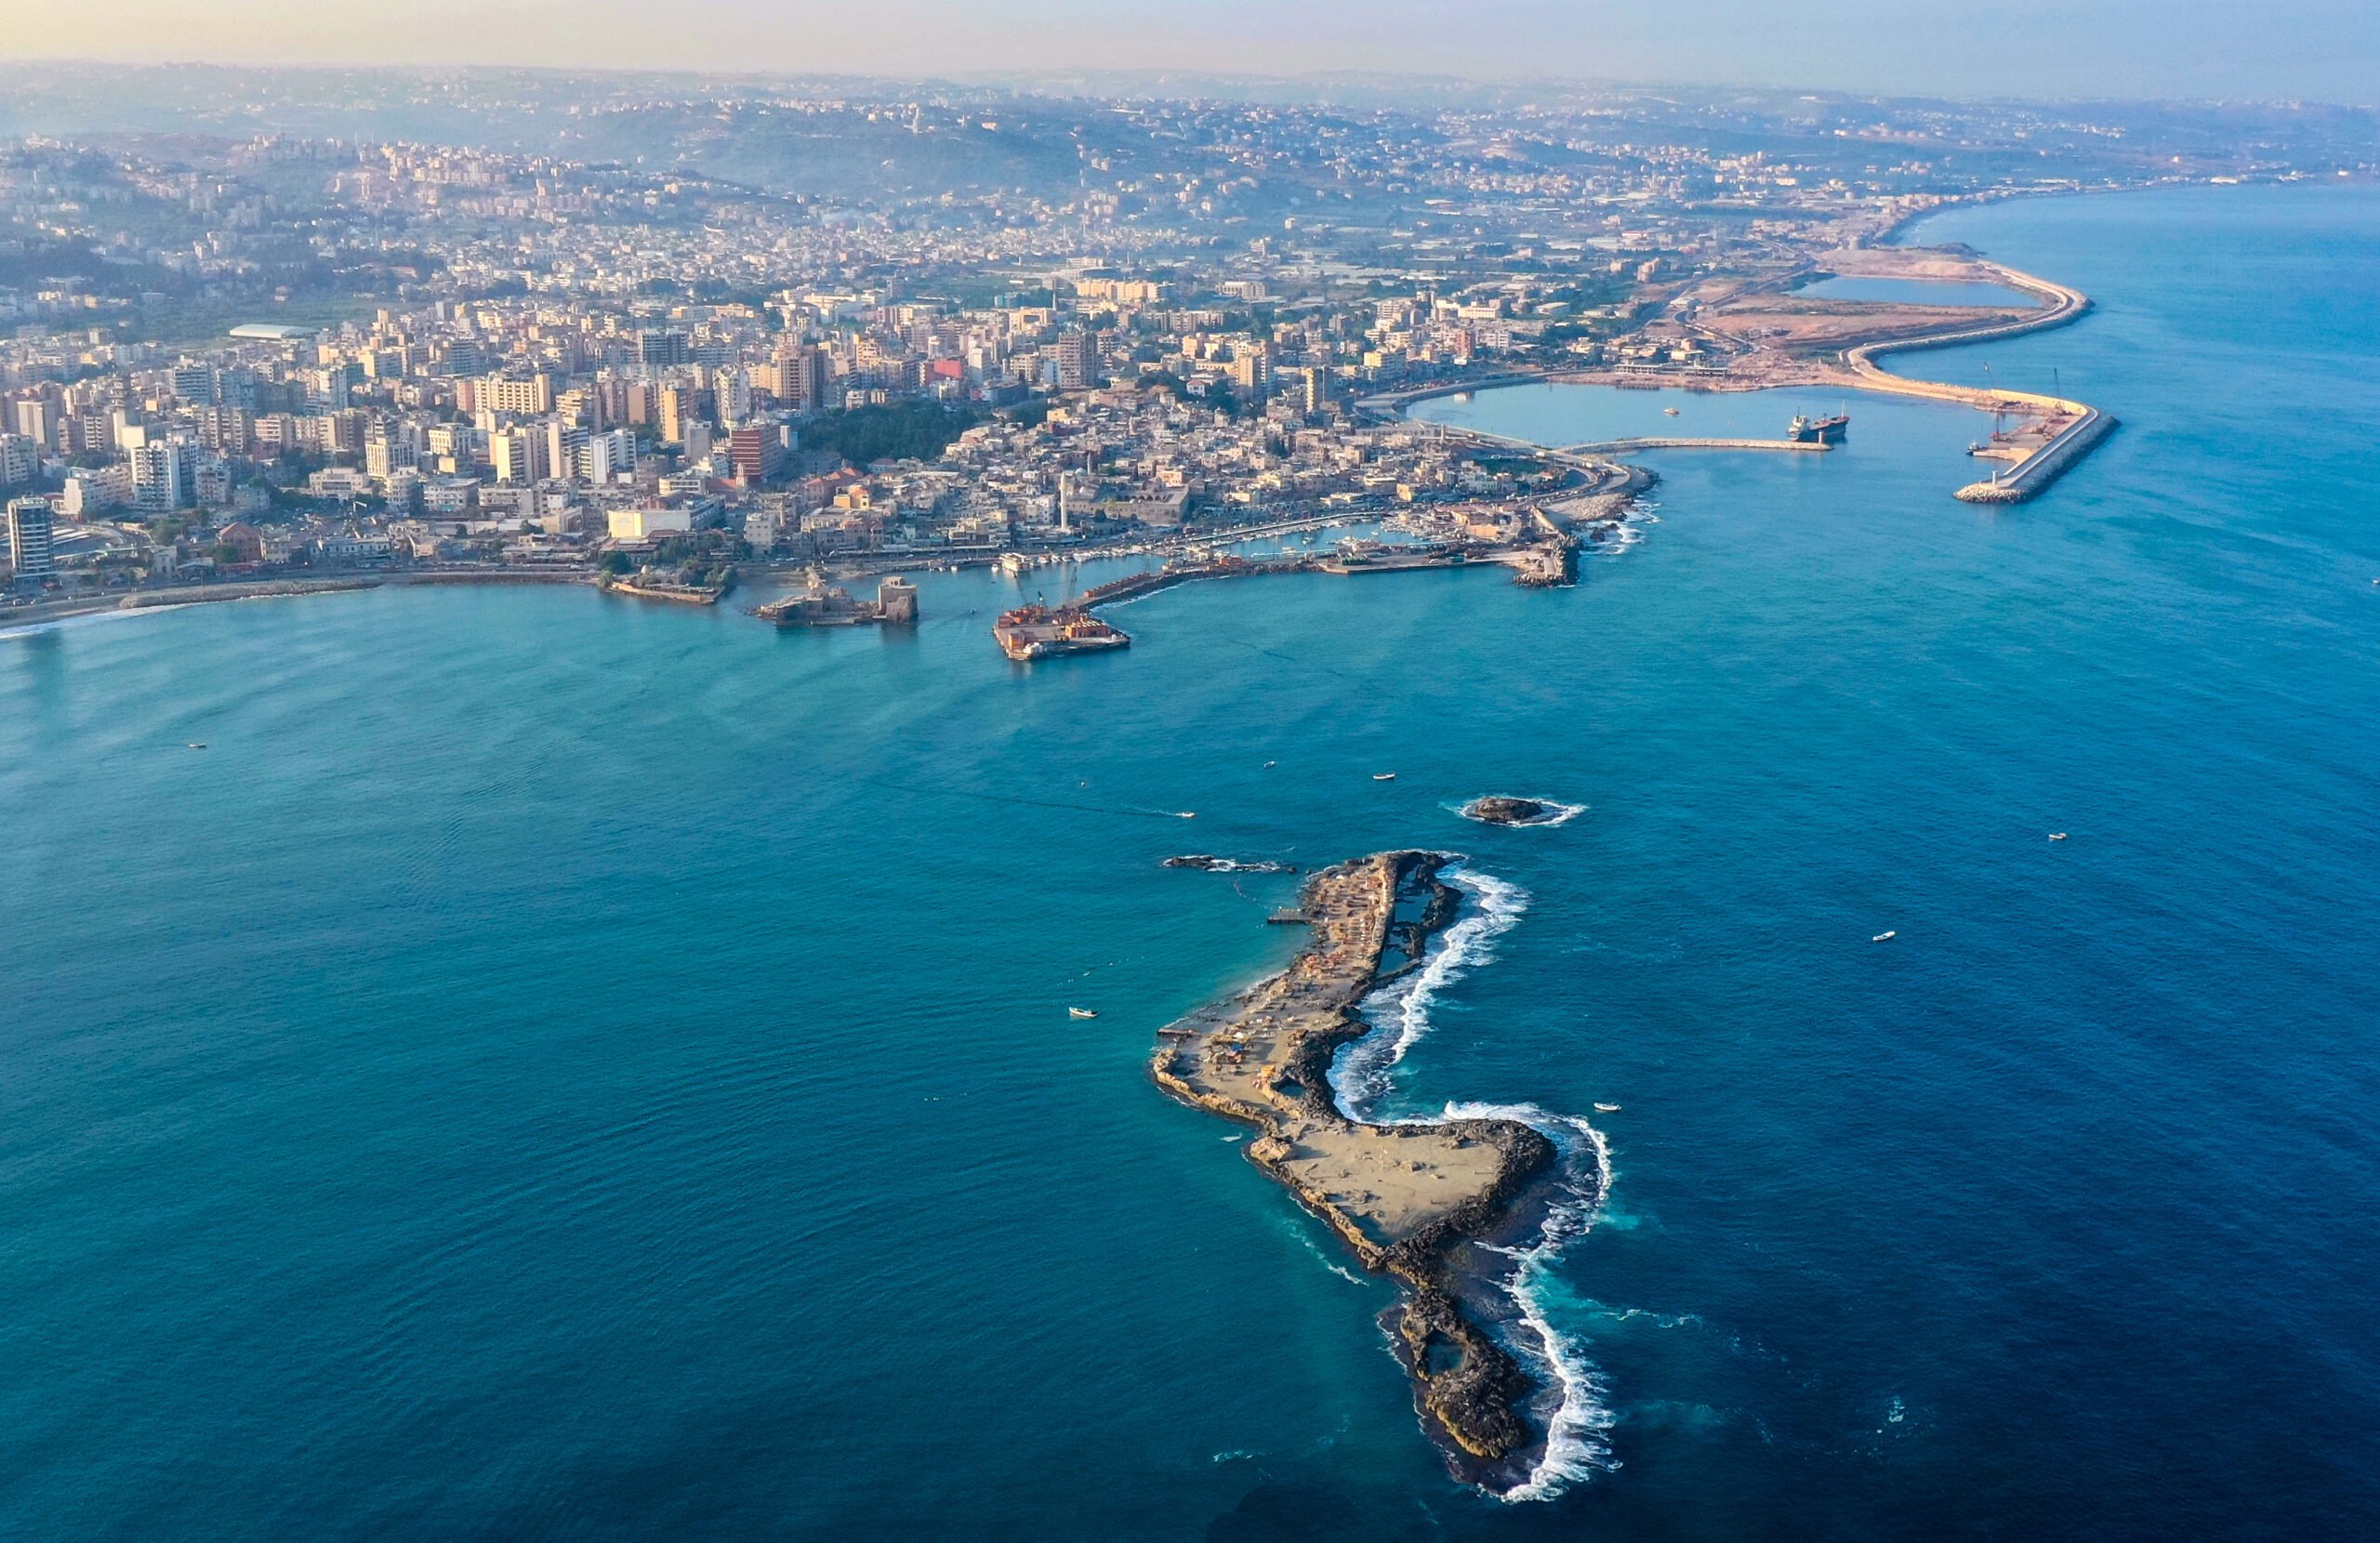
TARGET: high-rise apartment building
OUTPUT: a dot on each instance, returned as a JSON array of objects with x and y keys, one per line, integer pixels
[
  {"x": 37, "y": 419},
  {"x": 1077, "y": 360},
  {"x": 756, "y": 451},
  {"x": 31, "y": 551},
  {"x": 161, "y": 477},
  {"x": 809, "y": 379},
  {"x": 514, "y": 454},
  {"x": 603, "y": 457},
  {"x": 20, "y": 460},
  {"x": 662, "y": 348},
  {"x": 532, "y": 396}
]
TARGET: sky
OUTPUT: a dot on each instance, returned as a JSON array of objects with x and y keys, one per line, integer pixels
[{"x": 2311, "y": 49}]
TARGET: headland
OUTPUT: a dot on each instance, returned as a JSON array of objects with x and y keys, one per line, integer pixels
[{"x": 1406, "y": 1198}]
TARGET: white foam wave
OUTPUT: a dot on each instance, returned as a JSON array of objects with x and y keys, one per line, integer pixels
[
  {"x": 84, "y": 618},
  {"x": 1577, "y": 1442},
  {"x": 1400, "y": 1012},
  {"x": 1576, "y": 1439},
  {"x": 1299, "y": 1231}
]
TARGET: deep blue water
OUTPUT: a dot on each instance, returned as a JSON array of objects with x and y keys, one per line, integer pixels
[{"x": 558, "y": 1068}]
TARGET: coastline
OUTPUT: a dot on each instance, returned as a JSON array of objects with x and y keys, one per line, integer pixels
[
  {"x": 2067, "y": 429},
  {"x": 42, "y": 613},
  {"x": 1406, "y": 1197}
]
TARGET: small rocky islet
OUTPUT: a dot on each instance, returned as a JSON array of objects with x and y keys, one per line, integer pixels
[
  {"x": 1498, "y": 809},
  {"x": 1209, "y": 863}
]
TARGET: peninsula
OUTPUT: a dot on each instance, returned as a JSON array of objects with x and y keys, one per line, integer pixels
[{"x": 1405, "y": 1197}]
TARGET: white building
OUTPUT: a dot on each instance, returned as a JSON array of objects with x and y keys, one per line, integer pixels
[
  {"x": 92, "y": 490},
  {"x": 645, "y": 523},
  {"x": 159, "y": 477},
  {"x": 605, "y": 457}
]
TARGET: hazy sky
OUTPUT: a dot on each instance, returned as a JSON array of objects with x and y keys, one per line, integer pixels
[{"x": 2315, "y": 48}]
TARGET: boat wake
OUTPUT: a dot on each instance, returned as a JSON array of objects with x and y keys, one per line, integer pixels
[{"x": 1577, "y": 1419}]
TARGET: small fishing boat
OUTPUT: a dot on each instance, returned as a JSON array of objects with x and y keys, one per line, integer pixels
[
  {"x": 1082, "y": 1012},
  {"x": 1883, "y": 937},
  {"x": 1384, "y": 776},
  {"x": 198, "y": 745},
  {"x": 1669, "y": 412},
  {"x": 1607, "y": 1109},
  {"x": 2057, "y": 836}
]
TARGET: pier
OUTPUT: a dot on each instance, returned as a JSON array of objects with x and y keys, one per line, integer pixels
[
  {"x": 2044, "y": 466},
  {"x": 1038, "y": 631}
]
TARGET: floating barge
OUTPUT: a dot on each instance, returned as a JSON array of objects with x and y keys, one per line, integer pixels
[{"x": 1032, "y": 632}]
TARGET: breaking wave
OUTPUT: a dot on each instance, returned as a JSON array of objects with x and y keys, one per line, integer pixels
[
  {"x": 1577, "y": 1426},
  {"x": 1578, "y": 1431}
]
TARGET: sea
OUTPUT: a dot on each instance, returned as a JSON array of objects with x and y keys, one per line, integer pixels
[{"x": 559, "y": 1067}]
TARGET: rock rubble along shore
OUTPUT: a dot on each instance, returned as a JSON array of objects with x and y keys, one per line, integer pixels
[{"x": 1404, "y": 1197}]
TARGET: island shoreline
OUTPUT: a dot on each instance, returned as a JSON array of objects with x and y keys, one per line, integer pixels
[{"x": 1408, "y": 1198}]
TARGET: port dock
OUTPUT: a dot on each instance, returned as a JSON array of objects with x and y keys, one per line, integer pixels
[
  {"x": 2044, "y": 466},
  {"x": 1034, "y": 632}
]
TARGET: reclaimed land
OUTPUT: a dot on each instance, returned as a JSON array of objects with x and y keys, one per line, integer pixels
[
  {"x": 1405, "y": 1197},
  {"x": 1770, "y": 339}
]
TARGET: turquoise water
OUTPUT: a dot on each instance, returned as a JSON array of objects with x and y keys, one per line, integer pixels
[
  {"x": 1921, "y": 292},
  {"x": 558, "y": 1068}
]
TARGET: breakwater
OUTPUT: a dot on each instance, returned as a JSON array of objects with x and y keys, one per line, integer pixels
[
  {"x": 2044, "y": 466},
  {"x": 1545, "y": 563}
]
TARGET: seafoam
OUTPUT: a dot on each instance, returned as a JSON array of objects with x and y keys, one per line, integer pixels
[{"x": 1577, "y": 1443}]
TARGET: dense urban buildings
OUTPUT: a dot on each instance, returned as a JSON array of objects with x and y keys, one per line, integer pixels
[{"x": 234, "y": 356}]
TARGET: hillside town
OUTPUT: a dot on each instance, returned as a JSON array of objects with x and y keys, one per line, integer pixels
[{"x": 291, "y": 354}]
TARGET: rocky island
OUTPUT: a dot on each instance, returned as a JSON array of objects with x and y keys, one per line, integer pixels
[
  {"x": 1209, "y": 863},
  {"x": 1498, "y": 809},
  {"x": 1405, "y": 1197}
]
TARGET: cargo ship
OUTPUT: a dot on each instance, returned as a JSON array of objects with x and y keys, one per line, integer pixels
[
  {"x": 1037, "y": 632},
  {"x": 1809, "y": 431}
]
